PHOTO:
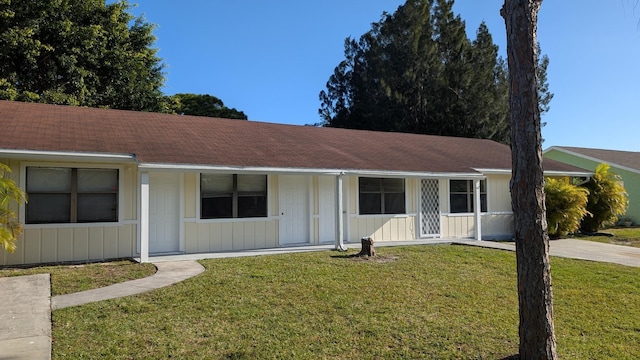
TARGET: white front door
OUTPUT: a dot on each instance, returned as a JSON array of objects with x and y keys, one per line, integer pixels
[
  {"x": 327, "y": 208},
  {"x": 164, "y": 212},
  {"x": 294, "y": 209}
]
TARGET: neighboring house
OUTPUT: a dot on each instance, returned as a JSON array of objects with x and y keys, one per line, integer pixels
[
  {"x": 626, "y": 164},
  {"x": 109, "y": 183}
]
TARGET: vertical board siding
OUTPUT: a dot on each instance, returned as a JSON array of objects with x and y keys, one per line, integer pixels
[
  {"x": 129, "y": 191},
  {"x": 80, "y": 244},
  {"x": 458, "y": 226},
  {"x": 49, "y": 245},
  {"x": 498, "y": 193},
  {"x": 382, "y": 228},
  {"x": 497, "y": 226},
  {"x": 234, "y": 235},
  {"x": 493, "y": 226},
  {"x": 190, "y": 195}
]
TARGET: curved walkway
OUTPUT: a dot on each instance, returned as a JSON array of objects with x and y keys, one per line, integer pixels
[{"x": 168, "y": 273}]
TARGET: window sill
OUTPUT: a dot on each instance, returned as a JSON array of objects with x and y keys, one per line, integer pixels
[
  {"x": 369, "y": 216},
  {"x": 234, "y": 220}
]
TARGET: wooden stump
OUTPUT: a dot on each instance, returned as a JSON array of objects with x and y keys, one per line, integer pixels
[{"x": 367, "y": 247}]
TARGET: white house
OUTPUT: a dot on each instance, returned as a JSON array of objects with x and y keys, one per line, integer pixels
[{"x": 108, "y": 184}]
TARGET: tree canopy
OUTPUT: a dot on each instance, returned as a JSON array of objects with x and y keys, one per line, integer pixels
[
  {"x": 417, "y": 71},
  {"x": 78, "y": 52},
  {"x": 202, "y": 105}
]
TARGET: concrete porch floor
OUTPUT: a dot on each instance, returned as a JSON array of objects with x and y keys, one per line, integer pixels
[{"x": 301, "y": 248}]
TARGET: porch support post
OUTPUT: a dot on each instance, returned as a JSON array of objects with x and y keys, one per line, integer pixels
[
  {"x": 144, "y": 217},
  {"x": 339, "y": 218},
  {"x": 477, "y": 209}
]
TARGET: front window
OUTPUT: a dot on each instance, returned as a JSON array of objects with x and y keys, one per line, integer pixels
[
  {"x": 233, "y": 196},
  {"x": 461, "y": 196},
  {"x": 381, "y": 196},
  {"x": 71, "y": 195}
]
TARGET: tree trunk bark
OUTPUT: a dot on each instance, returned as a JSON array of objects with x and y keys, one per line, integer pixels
[
  {"x": 536, "y": 330},
  {"x": 367, "y": 247}
]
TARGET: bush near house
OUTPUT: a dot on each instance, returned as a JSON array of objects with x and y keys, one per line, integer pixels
[
  {"x": 10, "y": 228},
  {"x": 566, "y": 206},
  {"x": 607, "y": 199}
]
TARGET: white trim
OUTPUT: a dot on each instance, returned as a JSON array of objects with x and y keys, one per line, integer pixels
[
  {"x": 67, "y": 155},
  {"x": 310, "y": 206},
  {"x": 346, "y": 191},
  {"x": 494, "y": 171},
  {"x": 477, "y": 209},
  {"x": 144, "y": 217},
  {"x": 299, "y": 171},
  {"x": 181, "y": 211},
  {"x": 339, "y": 241},
  {"x": 232, "y": 220},
  {"x": 395, "y": 216},
  {"x": 546, "y": 172}
]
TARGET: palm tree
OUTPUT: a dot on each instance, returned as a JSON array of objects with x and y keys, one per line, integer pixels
[{"x": 10, "y": 228}]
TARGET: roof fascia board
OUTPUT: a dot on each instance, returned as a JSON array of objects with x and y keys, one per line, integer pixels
[
  {"x": 494, "y": 171},
  {"x": 278, "y": 170},
  {"x": 66, "y": 156},
  {"x": 587, "y": 157},
  {"x": 568, "y": 173},
  {"x": 546, "y": 172}
]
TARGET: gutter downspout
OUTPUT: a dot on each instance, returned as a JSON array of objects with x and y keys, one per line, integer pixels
[{"x": 339, "y": 217}]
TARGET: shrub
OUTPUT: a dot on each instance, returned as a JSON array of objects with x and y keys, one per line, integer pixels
[
  {"x": 607, "y": 199},
  {"x": 566, "y": 206}
]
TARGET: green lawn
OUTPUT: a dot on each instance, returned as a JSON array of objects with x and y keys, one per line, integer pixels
[
  {"x": 628, "y": 236},
  {"x": 66, "y": 279},
  {"x": 443, "y": 302}
]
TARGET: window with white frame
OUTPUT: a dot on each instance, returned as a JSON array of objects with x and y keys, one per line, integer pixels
[
  {"x": 71, "y": 195},
  {"x": 233, "y": 196},
  {"x": 461, "y": 197},
  {"x": 381, "y": 196}
]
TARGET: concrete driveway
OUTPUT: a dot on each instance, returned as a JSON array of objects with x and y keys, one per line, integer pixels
[{"x": 579, "y": 249}]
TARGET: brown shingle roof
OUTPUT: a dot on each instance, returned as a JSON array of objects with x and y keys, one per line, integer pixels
[
  {"x": 189, "y": 140},
  {"x": 628, "y": 159}
]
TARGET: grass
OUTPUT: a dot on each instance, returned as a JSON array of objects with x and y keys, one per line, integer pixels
[
  {"x": 66, "y": 279},
  {"x": 444, "y": 302},
  {"x": 628, "y": 236}
]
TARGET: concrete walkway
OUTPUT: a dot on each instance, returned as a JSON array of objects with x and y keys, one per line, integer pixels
[
  {"x": 25, "y": 325},
  {"x": 168, "y": 273},
  {"x": 25, "y": 317}
]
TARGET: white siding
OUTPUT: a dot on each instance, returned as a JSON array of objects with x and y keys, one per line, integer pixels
[{"x": 77, "y": 242}]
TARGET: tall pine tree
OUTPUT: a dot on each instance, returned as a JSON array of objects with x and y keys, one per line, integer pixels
[{"x": 417, "y": 71}]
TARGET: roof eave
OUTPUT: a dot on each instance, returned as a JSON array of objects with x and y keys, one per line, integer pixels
[
  {"x": 302, "y": 171},
  {"x": 66, "y": 156},
  {"x": 587, "y": 157}
]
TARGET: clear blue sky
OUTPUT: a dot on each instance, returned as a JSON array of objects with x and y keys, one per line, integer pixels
[{"x": 270, "y": 59}]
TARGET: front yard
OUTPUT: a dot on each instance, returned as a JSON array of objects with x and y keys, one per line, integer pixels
[{"x": 421, "y": 302}]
